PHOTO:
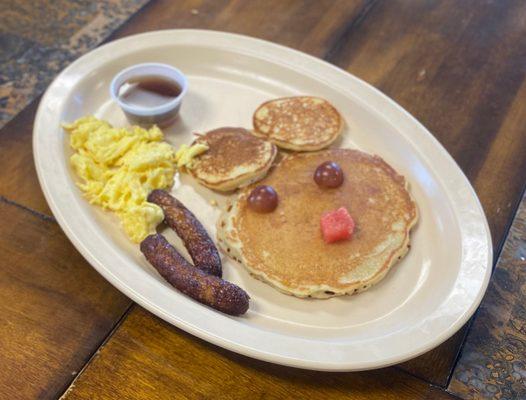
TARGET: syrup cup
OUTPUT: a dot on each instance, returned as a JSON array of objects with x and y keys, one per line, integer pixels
[{"x": 162, "y": 115}]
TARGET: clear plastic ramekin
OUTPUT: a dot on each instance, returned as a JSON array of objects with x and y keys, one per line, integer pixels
[{"x": 162, "y": 115}]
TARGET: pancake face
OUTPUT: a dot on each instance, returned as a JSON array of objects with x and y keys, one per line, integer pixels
[
  {"x": 285, "y": 247},
  {"x": 298, "y": 123},
  {"x": 235, "y": 158}
]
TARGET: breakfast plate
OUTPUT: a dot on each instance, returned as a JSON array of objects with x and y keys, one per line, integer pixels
[{"x": 424, "y": 300}]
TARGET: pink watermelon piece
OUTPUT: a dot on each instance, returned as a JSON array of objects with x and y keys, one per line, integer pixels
[{"x": 336, "y": 225}]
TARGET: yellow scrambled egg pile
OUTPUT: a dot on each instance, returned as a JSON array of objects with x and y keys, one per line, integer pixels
[{"x": 119, "y": 167}]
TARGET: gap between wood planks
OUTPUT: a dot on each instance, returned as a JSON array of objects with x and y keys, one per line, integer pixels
[{"x": 70, "y": 385}]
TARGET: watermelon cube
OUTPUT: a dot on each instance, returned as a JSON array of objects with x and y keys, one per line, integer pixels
[{"x": 336, "y": 225}]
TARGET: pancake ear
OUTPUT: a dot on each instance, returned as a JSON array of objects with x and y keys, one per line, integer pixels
[
  {"x": 301, "y": 123},
  {"x": 235, "y": 158}
]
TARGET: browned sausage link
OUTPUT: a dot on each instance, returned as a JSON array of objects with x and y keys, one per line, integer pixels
[
  {"x": 207, "y": 289},
  {"x": 194, "y": 236}
]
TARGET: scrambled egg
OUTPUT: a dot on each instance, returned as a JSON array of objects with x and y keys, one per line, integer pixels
[
  {"x": 119, "y": 167},
  {"x": 186, "y": 154}
]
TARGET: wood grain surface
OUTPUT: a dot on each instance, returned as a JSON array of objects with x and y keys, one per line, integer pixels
[
  {"x": 493, "y": 362},
  {"x": 459, "y": 67},
  {"x": 314, "y": 27},
  {"x": 55, "y": 310},
  {"x": 18, "y": 177},
  {"x": 147, "y": 358}
]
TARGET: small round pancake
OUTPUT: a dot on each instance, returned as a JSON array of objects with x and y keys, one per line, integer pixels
[
  {"x": 285, "y": 248},
  {"x": 301, "y": 123},
  {"x": 235, "y": 158}
]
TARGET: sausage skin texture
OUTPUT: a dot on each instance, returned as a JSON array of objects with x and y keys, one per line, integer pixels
[
  {"x": 194, "y": 236},
  {"x": 207, "y": 289}
]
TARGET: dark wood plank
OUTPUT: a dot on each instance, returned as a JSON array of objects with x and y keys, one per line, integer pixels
[
  {"x": 147, "y": 358},
  {"x": 458, "y": 67},
  {"x": 436, "y": 365},
  {"x": 311, "y": 26},
  {"x": 55, "y": 310},
  {"x": 493, "y": 359},
  {"x": 18, "y": 180},
  {"x": 436, "y": 393}
]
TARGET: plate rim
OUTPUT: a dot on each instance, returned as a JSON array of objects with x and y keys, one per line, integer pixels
[{"x": 228, "y": 343}]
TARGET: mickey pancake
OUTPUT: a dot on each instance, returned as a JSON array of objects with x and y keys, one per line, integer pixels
[{"x": 294, "y": 246}]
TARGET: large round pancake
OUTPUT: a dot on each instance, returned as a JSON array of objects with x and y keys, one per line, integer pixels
[
  {"x": 235, "y": 158},
  {"x": 302, "y": 123},
  {"x": 285, "y": 248}
]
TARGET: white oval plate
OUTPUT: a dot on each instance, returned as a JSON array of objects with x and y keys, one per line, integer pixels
[{"x": 423, "y": 300}]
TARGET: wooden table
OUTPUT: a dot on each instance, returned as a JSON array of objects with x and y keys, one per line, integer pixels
[{"x": 457, "y": 66}]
